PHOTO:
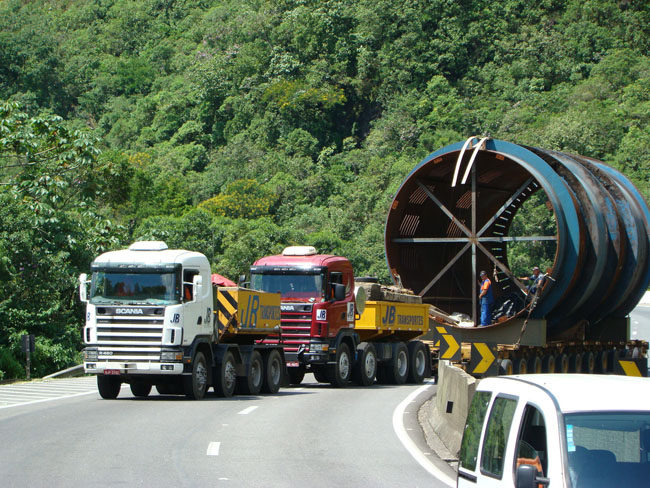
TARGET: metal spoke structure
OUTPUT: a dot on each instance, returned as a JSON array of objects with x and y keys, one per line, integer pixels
[{"x": 442, "y": 229}]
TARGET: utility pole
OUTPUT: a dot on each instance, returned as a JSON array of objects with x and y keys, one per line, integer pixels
[{"x": 28, "y": 345}]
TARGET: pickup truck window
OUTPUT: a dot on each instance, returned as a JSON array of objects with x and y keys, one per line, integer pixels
[
  {"x": 496, "y": 436},
  {"x": 473, "y": 427},
  {"x": 531, "y": 441},
  {"x": 608, "y": 448}
]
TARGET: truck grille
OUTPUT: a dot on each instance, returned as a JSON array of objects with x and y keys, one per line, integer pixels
[
  {"x": 127, "y": 337},
  {"x": 296, "y": 332}
]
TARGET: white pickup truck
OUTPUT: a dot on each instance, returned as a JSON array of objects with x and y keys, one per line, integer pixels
[{"x": 557, "y": 430}]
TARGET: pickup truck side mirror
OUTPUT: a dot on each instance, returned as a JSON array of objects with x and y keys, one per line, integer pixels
[
  {"x": 527, "y": 477},
  {"x": 197, "y": 285},
  {"x": 339, "y": 292},
  {"x": 83, "y": 290}
]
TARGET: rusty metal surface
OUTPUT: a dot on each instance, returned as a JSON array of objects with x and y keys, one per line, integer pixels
[{"x": 438, "y": 236}]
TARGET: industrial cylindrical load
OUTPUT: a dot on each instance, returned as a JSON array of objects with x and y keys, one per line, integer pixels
[{"x": 452, "y": 217}]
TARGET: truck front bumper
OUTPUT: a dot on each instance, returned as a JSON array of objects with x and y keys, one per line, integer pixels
[{"x": 123, "y": 368}]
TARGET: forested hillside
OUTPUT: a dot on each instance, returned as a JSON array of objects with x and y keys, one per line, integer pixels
[{"x": 237, "y": 127}]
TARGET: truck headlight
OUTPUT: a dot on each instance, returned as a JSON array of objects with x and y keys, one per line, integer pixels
[
  {"x": 171, "y": 356},
  {"x": 318, "y": 347},
  {"x": 90, "y": 354}
]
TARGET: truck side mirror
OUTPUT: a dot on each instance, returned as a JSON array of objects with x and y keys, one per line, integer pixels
[
  {"x": 83, "y": 290},
  {"x": 339, "y": 292},
  {"x": 197, "y": 286},
  {"x": 526, "y": 476}
]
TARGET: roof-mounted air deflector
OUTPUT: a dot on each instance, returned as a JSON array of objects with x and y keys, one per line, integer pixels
[
  {"x": 299, "y": 251},
  {"x": 148, "y": 246}
]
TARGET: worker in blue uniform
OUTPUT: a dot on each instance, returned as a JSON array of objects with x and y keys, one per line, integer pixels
[{"x": 487, "y": 299}]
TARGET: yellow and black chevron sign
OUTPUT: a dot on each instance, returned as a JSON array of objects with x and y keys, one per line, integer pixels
[
  {"x": 226, "y": 308},
  {"x": 631, "y": 366}
]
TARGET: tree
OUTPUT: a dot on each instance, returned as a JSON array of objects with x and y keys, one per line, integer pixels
[{"x": 49, "y": 229}]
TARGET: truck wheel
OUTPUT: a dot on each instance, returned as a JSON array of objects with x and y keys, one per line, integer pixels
[
  {"x": 505, "y": 367},
  {"x": 320, "y": 374},
  {"x": 588, "y": 362},
  {"x": 108, "y": 386},
  {"x": 601, "y": 362},
  {"x": 252, "y": 383},
  {"x": 224, "y": 384},
  {"x": 562, "y": 363},
  {"x": 272, "y": 372},
  {"x": 296, "y": 375},
  {"x": 575, "y": 363},
  {"x": 519, "y": 366},
  {"x": 417, "y": 362},
  {"x": 534, "y": 364},
  {"x": 340, "y": 372},
  {"x": 398, "y": 367},
  {"x": 365, "y": 369},
  {"x": 164, "y": 389},
  {"x": 140, "y": 389},
  {"x": 196, "y": 384},
  {"x": 548, "y": 364}
]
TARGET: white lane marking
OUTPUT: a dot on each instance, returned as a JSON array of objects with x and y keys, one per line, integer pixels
[
  {"x": 48, "y": 399},
  {"x": 213, "y": 449},
  {"x": 248, "y": 410},
  {"x": 398, "y": 426}
]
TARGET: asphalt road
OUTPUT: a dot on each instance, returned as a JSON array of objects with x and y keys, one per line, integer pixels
[
  {"x": 313, "y": 436},
  {"x": 640, "y": 323}
]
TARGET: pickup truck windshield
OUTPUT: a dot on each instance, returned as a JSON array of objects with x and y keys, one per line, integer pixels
[
  {"x": 300, "y": 286},
  {"x": 608, "y": 448},
  {"x": 155, "y": 287}
]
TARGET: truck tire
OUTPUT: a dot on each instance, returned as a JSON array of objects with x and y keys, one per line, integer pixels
[
  {"x": 601, "y": 362},
  {"x": 505, "y": 367},
  {"x": 575, "y": 363},
  {"x": 272, "y": 372},
  {"x": 320, "y": 374},
  {"x": 562, "y": 363},
  {"x": 140, "y": 389},
  {"x": 196, "y": 384},
  {"x": 519, "y": 366},
  {"x": 548, "y": 364},
  {"x": 226, "y": 378},
  {"x": 340, "y": 372},
  {"x": 108, "y": 386},
  {"x": 534, "y": 364},
  {"x": 417, "y": 362},
  {"x": 588, "y": 362},
  {"x": 397, "y": 368},
  {"x": 251, "y": 384},
  {"x": 296, "y": 375},
  {"x": 365, "y": 369},
  {"x": 164, "y": 389}
]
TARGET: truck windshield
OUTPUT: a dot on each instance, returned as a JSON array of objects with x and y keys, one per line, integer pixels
[
  {"x": 608, "y": 448},
  {"x": 154, "y": 287},
  {"x": 299, "y": 286}
]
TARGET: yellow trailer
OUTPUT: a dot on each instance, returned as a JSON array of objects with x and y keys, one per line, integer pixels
[
  {"x": 245, "y": 313},
  {"x": 383, "y": 320}
]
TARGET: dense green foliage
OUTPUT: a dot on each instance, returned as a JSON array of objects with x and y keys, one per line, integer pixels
[{"x": 171, "y": 110}]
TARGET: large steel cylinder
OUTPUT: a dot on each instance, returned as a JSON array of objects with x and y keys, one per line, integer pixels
[{"x": 452, "y": 217}]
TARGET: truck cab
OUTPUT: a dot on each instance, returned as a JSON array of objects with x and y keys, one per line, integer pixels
[
  {"x": 153, "y": 317},
  {"x": 557, "y": 430},
  {"x": 148, "y": 306},
  {"x": 318, "y": 305}
]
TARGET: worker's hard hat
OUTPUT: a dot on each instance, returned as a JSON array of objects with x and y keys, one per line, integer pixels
[{"x": 483, "y": 273}]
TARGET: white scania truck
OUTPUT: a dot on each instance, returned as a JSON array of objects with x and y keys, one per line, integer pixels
[{"x": 154, "y": 317}]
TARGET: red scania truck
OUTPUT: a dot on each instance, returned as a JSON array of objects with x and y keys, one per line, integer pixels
[{"x": 328, "y": 327}]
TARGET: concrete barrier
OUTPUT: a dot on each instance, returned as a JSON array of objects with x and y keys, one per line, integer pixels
[{"x": 448, "y": 412}]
